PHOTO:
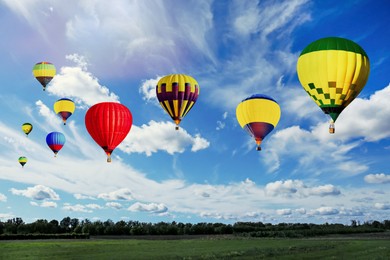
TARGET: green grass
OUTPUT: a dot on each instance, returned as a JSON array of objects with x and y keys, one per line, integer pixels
[{"x": 227, "y": 248}]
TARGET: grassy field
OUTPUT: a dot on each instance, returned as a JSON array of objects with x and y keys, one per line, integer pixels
[{"x": 201, "y": 248}]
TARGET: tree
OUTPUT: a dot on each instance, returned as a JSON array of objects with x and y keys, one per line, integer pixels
[{"x": 65, "y": 224}]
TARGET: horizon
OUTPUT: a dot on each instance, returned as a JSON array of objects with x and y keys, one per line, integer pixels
[{"x": 208, "y": 170}]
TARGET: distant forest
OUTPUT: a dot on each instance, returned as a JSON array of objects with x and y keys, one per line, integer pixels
[{"x": 68, "y": 227}]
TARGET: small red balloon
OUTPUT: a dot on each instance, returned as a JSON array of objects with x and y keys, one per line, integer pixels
[{"x": 108, "y": 123}]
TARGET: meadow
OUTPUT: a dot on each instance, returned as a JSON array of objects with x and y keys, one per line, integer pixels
[{"x": 211, "y": 247}]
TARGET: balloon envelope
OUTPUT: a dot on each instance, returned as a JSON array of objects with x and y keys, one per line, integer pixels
[
  {"x": 44, "y": 72},
  {"x": 258, "y": 115},
  {"x": 108, "y": 123},
  {"x": 177, "y": 93},
  {"x": 333, "y": 71},
  {"x": 64, "y": 107},
  {"x": 55, "y": 141},
  {"x": 27, "y": 128},
  {"x": 22, "y": 160}
]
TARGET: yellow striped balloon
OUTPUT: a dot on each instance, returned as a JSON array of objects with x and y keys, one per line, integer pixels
[
  {"x": 27, "y": 128},
  {"x": 64, "y": 107},
  {"x": 333, "y": 71},
  {"x": 44, "y": 72},
  {"x": 22, "y": 160},
  {"x": 177, "y": 94},
  {"x": 258, "y": 115}
]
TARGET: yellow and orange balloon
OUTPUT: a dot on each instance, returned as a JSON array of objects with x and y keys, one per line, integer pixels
[
  {"x": 64, "y": 107},
  {"x": 258, "y": 115}
]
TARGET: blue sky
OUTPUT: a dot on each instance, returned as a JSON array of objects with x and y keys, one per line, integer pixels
[{"x": 209, "y": 171}]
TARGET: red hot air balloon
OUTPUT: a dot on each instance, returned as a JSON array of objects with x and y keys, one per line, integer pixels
[{"x": 108, "y": 123}]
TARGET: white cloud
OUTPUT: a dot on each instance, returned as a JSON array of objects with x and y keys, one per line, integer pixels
[
  {"x": 76, "y": 208},
  {"x": 296, "y": 188},
  {"x": 282, "y": 16},
  {"x": 80, "y": 85},
  {"x": 6, "y": 216},
  {"x": 354, "y": 127},
  {"x": 148, "y": 90},
  {"x": 79, "y": 196},
  {"x": 38, "y": 192},
  {"x": 350, "y": 212},
  {"x": 199, "y": 143},
  {"x": 284, "y": 212},
  {"x": 52, "y": 121},
  {"x": 3, "y": 198},
  {"x": 44, "y": 204},
  {"x": 114, "y": 205},
  {"x": 148, "y": 207},
  {"x": 49, "y": 204},
  {"x": 221, "y": 123},
  {"x": 156, "y": 136},
  {"x": 121, "y": 194},
  {"x": 358, "y": 116},
  {"x": 377, "y": 178},
  {"x": 325, "y": 211},
  {"x": 248, "y": 17},
  {"x": 129, "y": 43},
  {"x": 310, "y": 157},
  {"x": 93, "y": 206},
  {"x": 324, "y": 190},
  {"x": 283, "y": 188},
  {"x": 382, "y": 206}
]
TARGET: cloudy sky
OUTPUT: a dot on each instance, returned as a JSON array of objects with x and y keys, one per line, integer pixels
[{"x": 209, "y": 170}]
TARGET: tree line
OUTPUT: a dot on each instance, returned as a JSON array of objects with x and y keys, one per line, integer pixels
[{"x": 75, "y": 228}]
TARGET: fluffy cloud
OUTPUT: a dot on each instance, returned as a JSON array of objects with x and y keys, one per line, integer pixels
[
  {"x": 77, "y": 83},
  {"x": 76, "y": 208},
  {"x": 355, "y": 126},
  {"x": 324, "y": 190},
  {"x": 377, "y": 178},
  {"x": 310, "y": 157},
  {"x": 283, "y": 188},
  {"x": 297, "y": 188},
  {"x": 38, "y": 192},
  {"x": 6, "y": 216},
  {"x": 114, "y": 205},
  {"x": 3, "y": 197},
  {"x": 45, "y": 204},
  {"x": 93, "y": 206},
  {"x": 121, "y": 194},
  {"x": 325, "y": 211},
  {"x": 150, "y": 207},
  {"x": 83, "y": 197},
  {"x": 382, "y": 206},
  {"x": 358, "y": 116},
  {"x": 148, "y": 90},
  {"x": 156, "y": 136},
  {"x": 284, "y": 212}
]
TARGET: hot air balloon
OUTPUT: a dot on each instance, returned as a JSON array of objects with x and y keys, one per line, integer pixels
[
  {"x": 177, "y": 93},
  {"x": 22, "y": 160},
  {"x": 333, "y": 71},
  {"x": 55, "y": 140},
  {"x": 108, "y": 123},
  {"x": 64, "y": 107},
  {"x": 27, "y": 128},
  {"x": 44, "y": 72},
  {"x": 258, "y": 115}
]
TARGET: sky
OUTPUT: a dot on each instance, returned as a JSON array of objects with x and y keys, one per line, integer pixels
[{"x": 209, "y": 170}]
